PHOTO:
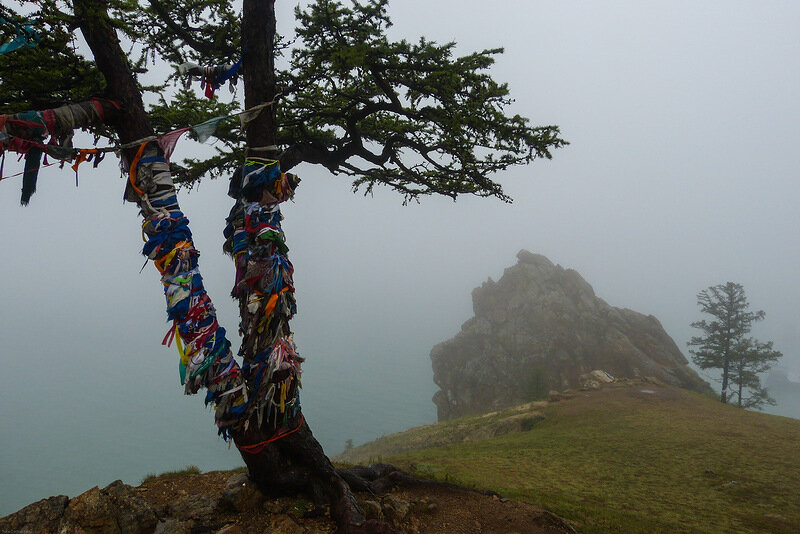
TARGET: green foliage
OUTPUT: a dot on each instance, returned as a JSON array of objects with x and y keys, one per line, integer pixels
[
  {"x": 406, "y": 115},
  {"x": 410, "y": 116},
  {"x": 186, "y": 109},
  {"x": 725, "y": 345},
  {"x": 751, "y": 359},
  {"x": 50, "y": 74},
  {"x": 188, "y": 470},
  {"x": 200, "y": 31}
]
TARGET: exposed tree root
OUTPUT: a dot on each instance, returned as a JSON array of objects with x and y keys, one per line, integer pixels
[
  {"x": 379, "y": 478},
  {"x": 295, "y": 464}
]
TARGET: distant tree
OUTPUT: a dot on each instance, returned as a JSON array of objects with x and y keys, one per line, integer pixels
[
  {"x": 751, "y": 359},
  {"x": 725, "y": 344}
]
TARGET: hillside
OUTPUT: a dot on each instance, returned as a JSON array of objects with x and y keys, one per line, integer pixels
[{"x": 634, "y": 456}]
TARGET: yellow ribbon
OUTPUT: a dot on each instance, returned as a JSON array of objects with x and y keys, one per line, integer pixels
[{"x": 179, "y": 344}]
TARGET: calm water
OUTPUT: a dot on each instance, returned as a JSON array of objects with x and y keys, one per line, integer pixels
[
  {"x": 788, "y": 399},
  {"x": 77, "y": 432}
]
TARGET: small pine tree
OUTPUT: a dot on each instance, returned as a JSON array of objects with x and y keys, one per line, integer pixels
[{"x": 725, "y": 345}]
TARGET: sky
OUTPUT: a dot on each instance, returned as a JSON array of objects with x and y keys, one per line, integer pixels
[{"x": 684, "y": 123}]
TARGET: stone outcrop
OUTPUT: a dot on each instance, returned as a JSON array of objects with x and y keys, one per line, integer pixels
[
  {"x": 540, "y": 328},
  {"x": 115, "y": 509},
  {"x": 41, "y": 516}
]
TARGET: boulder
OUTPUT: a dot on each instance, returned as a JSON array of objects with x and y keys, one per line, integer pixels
[
  {"x": 394, "y": 509},
  {"x": 540, "y": 328},
  {"x": 38, "y": 518},
  {"x": 115, "y": 509},
  {"x": 241, "y": 493},
  {"x": 197, "y": 507},
  {"x": 372, "y": 510}
]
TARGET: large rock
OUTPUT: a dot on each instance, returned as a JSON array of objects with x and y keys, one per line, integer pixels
[
  {"x": 41, "y": 517},
  {"x": 241, "y": 493},
  {"x": 539, "y": 328},
  {"x": 115, "y": 509}
]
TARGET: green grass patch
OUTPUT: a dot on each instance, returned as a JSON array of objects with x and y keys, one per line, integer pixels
[
  {"x": 626, "y": 460},
  {"x": 188, "y": 470}
]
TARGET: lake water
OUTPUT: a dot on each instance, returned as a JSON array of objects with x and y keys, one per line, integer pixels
[
  {"x": 87, "y": 432},
  {"x": 788, "y": 401}
]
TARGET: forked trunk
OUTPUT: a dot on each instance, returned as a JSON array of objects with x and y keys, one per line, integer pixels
[{"x": 257, "y": 405}]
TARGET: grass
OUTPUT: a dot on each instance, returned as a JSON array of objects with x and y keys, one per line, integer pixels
[
  {"x": 638, "y": 458},
  {"x": 188, "y": 470}
]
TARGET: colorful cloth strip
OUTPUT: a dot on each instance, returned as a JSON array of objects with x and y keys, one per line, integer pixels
[
  {"x": 60, "y": 122},
  {"x": 211, "y": 78},
  {"x": 31, "y": 128},
  {"x": 26, "y": 36},
  {"x": 265, "y": 389},
  {"x": 264, "y": 288}
]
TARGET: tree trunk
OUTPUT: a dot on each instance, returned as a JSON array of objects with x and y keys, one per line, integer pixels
[
  {"x": 281, "y": 453},
  {"x": 258, "y": 65},
  {"x": 740, "y": 381},
  {"x": 724, "y": 395},
  {"x": 296, "y": 461}
]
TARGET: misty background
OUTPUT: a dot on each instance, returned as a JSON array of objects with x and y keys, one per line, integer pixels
[{"x": 682, "y": 171}]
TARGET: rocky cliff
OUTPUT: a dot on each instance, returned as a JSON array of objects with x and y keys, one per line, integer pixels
[{"x": 540, "y": 328}]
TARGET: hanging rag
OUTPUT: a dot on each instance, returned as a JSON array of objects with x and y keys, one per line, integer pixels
[
  {"x": 26, "y": 36},
  {"x": 206, "y": 129},
  {"x": 168, "y": 141},
  {"x": 35, "y": 128}
]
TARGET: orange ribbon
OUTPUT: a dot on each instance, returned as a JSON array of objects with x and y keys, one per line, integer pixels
[{"x": 132, "y": 172}]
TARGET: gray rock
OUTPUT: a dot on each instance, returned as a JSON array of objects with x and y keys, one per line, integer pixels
[
  {"x": 540, "y": 328},
  {"x": 115, "y": 509},
  {"x": 372, "y": 510},
  {"x": 394, "y": 510},
  {"x": 171, "y": 526},
  {"x": 241, "y": 494},
  {"x": 41, "y": 516},
  {"x": 194, "y": 507}
]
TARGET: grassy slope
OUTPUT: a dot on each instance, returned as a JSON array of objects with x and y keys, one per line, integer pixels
[{"x": 623, "y": 459}]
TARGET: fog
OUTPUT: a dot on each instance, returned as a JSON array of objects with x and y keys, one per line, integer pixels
[{"x": 681, "y": 174}]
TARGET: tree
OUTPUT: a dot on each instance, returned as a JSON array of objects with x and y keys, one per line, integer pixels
[
  {"x": 725, "y": 345},
  {"x": 411, "y": 117}
]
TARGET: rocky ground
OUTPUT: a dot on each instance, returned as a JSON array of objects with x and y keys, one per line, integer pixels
[{"x": 227, "y": 503}]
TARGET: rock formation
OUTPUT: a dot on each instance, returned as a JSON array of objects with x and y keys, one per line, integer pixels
[
  {"x": 115, "y": 509},
  {"x": 539, "y": 328}
]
